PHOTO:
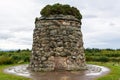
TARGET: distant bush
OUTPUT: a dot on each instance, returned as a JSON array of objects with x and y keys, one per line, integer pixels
[
  {"x": 18, "y": 56},
  {"x": 5, "y": 60},
  {"x": 22, "y": 56},
  {"x": 103, "y": 59},
  {"x": 112, "y": 54},
  {"x": 97, "y": 58},
  {"x": 60, "y": 9},
  {"x": 113, "y": 59},
  {"x": 102, "y": 55}
]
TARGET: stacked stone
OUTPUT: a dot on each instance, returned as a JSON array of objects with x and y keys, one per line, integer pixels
[{"x": 57, "y": 44}]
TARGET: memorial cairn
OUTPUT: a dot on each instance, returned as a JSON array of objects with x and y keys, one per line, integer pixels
[{"x": 57, "y": 41}]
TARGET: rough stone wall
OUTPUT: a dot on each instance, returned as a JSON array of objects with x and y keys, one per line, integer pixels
[{"x": 57, "y": 44}]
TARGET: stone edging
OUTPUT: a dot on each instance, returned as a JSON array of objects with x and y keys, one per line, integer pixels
[{"x": 93, "y": 70}]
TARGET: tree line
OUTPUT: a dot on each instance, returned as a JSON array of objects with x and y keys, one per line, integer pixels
[{"x": 91, "y": 54}]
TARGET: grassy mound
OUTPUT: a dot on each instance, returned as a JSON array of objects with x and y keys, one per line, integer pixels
[{"x": 60, "y": 9}]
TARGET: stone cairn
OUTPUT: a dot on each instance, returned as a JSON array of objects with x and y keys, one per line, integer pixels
[{"x": 57, "y": 44}]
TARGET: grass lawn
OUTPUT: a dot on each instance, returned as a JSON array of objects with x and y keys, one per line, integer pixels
[
  {"x": 4, "y": 76},
  {"x": 114, "y": 73}
]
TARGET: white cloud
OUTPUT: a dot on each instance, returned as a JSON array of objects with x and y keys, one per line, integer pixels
[
  {"x": 101, "y": 33},
  {"x": 100, "y": 26}
]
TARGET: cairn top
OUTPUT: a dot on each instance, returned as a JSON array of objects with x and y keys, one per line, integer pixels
[
  {"x": 59, "y": 17},
  {"x": 57, "y": 9}
]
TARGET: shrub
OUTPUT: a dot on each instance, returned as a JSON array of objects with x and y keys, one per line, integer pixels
[
  {"x": 103, "y": 59},
  {"x": 5, "y": 60},
  {"x": 97, "y": 58},
  {"x": 60, "y": 9},
  {"x": 114, "y": 59},
  {"x": 16, "y": 58}
]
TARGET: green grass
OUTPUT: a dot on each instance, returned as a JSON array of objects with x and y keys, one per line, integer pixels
[
  {"x": 4, "y": 76},
  {"x": 114, "y": 73}
]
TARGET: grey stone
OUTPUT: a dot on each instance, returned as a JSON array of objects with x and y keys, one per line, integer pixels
[
  {"x": 53, "y": 32},
  {"x": 60, "y": 44},
  {"x": 43, "y": 58},
  {"x": 59, "y": 49},
  {"x": 51, "y": 58}
]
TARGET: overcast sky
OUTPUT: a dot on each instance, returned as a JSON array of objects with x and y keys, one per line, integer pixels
[{"x": 101, "y": 22}]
